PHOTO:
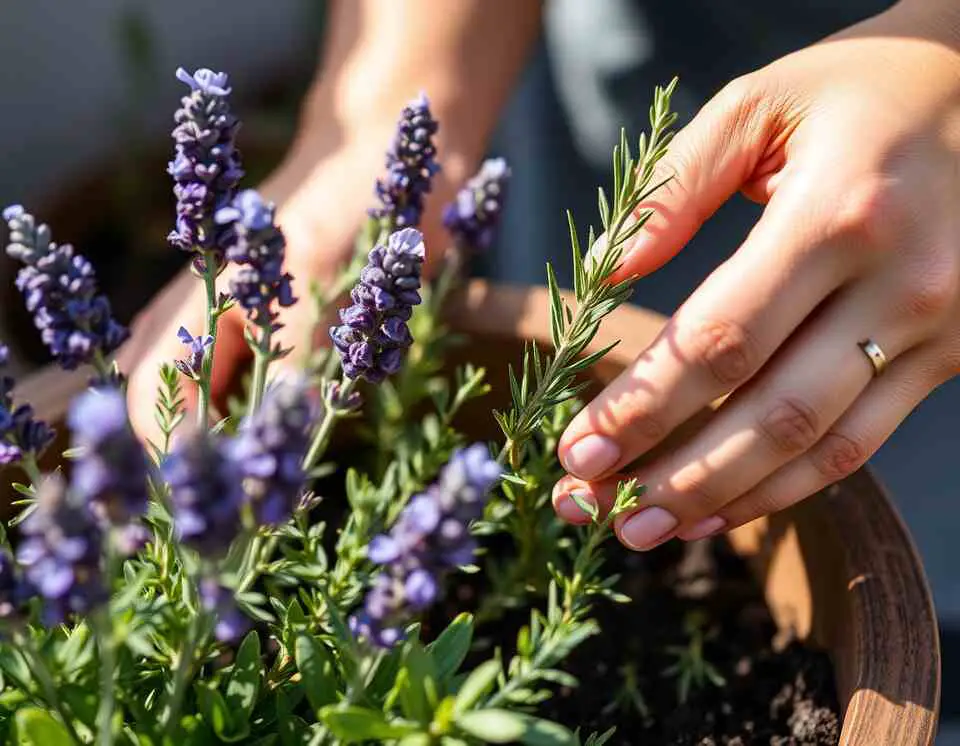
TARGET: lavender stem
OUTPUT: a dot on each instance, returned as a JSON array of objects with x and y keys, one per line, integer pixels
[
  {"x": 210, "y": 283},
  {"x": 261, "y": 363},
  {"x": 329, "y": 418}
]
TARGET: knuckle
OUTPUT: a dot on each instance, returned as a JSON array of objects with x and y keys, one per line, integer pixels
[
  {"x": 838, "y": 456},
  {"x": 874, "y": 210},
  {"x": 740, "y": 96},
  {"x": 791, "y": 426},
  {"x": 696, "y": 497},
  {"x": 933, "y": 286},
  {"x": 724, "y": 348},
  {"x": 758, "y": 502}
]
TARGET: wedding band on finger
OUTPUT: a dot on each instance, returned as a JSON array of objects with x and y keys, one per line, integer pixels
[{"x": 875, "y": 355}]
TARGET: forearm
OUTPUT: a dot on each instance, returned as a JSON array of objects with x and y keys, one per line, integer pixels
[{"x": 464, "y": 54}]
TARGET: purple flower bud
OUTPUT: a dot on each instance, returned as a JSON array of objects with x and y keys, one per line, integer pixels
[
  {"x": 411, "y": 166},
  {"x": 430, "y": 538},
  {"x": 192, "y": 365},
  {"x": 61, "y": 554},
  {"x": 20, "y": 433},
  {"x": 260, "y": 248},
  {"x": 206, "y": 165},
  {"x": 269, "y": 451},
  {"x": 60, "y": 290},
  {"x": 474, "y": 216},
  {"x": 373, "y": 334},
  {"x": 111, "y": 474},
  {"x": 205, "y": 492}
]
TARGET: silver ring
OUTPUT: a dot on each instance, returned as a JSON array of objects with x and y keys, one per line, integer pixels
[{"x": 875, "y": 355}]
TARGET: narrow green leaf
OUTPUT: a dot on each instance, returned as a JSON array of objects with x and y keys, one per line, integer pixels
[
  {"x": 592, "y": 359},
  {"x": 317, "y": 668},
  {"x": 547, "y": 733},
  {"x": 451, "y": 647},
  {"x": 216, "y": 713},
  {"x": 493, "y": 726},
  {"x": 556, "y": 307},
  {"x": 477, "y": 684},
  {"x": 362, "y": 724},
  {"x": 604, "y": 207},
  {"x": 243, "y": 684},
  {"x": 36, "y": 727}
]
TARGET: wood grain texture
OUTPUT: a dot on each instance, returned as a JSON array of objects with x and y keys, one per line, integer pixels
[{"x": 840, "y": 568}]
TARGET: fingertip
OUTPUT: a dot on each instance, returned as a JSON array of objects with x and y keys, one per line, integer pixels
[{"x": 566, "y": 507}]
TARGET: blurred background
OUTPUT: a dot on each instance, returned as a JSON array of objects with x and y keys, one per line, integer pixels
[{"x": 84, "y": 140}]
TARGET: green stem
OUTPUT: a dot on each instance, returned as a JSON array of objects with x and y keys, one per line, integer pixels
[
  {"x": 322, "y": 435},
  {"x": 32, "y": 468},
  {"x": 42, "y": 673},
  {"x": 261, "y": 364},
  {"x": 181, "y": 676},
  {"x": 104, "y": 629},
  {"x": 206, "y": 373}
]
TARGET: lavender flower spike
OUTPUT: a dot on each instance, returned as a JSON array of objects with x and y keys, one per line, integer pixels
[
  {"x": 260, "y": 248},
  {"x": 431, "y": 537},
  {"x": 61, "y": 554},
  {"x": 60, "y": 290},
  {"x": 269, "y": 451},
  {"x": 111, "y": 474},
  {"x": 474, "y": 216},
  {"x": 373, "y": 331},
  {"x": 206, "y": 166},
  {"x": 411, "y": 166},
  {"x": 206, "y": 493},
  {"x": 20, "y": 433}
]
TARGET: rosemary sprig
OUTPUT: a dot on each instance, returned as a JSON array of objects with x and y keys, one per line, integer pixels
[{"x": 546, "y": 381}]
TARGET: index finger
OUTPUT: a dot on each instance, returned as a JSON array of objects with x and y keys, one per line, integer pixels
[{"x": 718, "y": 340}]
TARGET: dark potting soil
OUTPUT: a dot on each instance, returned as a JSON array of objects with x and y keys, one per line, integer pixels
[{"x": 773, "y": 691}]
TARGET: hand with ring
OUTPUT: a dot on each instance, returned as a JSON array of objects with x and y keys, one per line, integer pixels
[{"x": 853, "y": 271}]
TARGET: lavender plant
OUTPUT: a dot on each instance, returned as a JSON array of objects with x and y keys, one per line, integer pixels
[{"x": 208, "y": 589}]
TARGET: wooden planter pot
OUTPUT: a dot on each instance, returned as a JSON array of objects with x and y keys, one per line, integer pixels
[{"x": 839, "y": 569}]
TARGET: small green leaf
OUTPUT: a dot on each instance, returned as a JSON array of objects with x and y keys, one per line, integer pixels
[
  {"x": 452, "y": 646},
  {"x": 316, "y": 665},
  {"x": 419, "y": 693},
  {"x": 214, "y": 710},
  {"x": 547, "y": 733},
  {"x": 478, "y": 683},
  {"x": 589, "y": 508},
  {"x": 36, "y": 727},
  {"x": 362, "y": 724},
  {"x": 493, "y": 726},
  {"x": 243, "y": 684}
]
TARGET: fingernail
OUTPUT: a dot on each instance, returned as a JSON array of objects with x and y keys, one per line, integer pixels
[
  {"x": 568, "y": 509},
  {"x": 590, "y": 456},
  {"x": 706, "y": 527},
  {"x": 648, "y": 528}
]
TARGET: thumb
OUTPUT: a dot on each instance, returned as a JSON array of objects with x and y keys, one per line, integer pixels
[{"x": 708, "y": 161}]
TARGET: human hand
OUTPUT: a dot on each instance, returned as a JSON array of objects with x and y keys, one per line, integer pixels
[{"x": 853, "y": 145}]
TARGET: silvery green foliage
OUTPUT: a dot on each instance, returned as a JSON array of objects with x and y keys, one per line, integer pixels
[{"x": 235, "y": 621}]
